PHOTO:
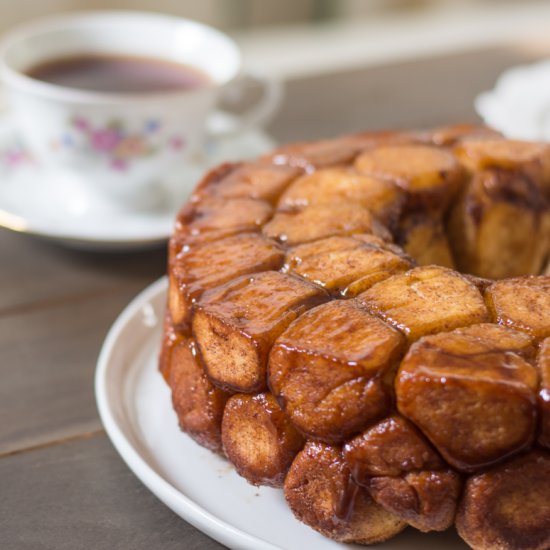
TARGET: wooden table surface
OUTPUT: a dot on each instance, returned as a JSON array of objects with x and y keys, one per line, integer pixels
[{"x": 62, "y": 485}]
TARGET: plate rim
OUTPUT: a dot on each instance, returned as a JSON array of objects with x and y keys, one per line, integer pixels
[{"x": 177, "y": 501}]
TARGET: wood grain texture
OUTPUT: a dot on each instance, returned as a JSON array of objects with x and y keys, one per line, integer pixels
[
  {"x": 36, "y": 273},
  {"x": 47, "y": 363},
  {"x": 80, "y": 495},
  {"x": 434, "y": 91}
]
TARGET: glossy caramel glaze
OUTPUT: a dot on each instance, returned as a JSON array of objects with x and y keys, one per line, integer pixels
[
  {"x": 430, "y": 176},
  {"x": 259, "y": 439},
  {"x": 253, "y": 180},
  {"x": 319, "y": 333},
  {"x": 216, "y": 218},
  {"x": 317, "y": 221},
  {"x": 390, "y": 447},
  {"x": 320, "y": 491},
  {"x": 425, "y": 240},
  {"x": 473, "y": 397},
  {"x": 507, "y": 507},
  {"x": 171, "y": 337},
  {"x": 522, "y": 303},
  {"x": 197, "y": 402},
  {"x": 449, "y": 136},
  {"x": 332, "y": 383},
  {"x": 404, "y": 474},
  {"x": 236, "y": 325},
  {"x": 484, "y": 242},
  {"x": 532, "y": 159},
  {"x": 426, "y": 499},
  {"x": 203, "y": 265},
  {"x": 333, "y": 185},
  {"x": 426, "y": 300},
  {"x": 543, "y": 363},
  {"x": 346, "y": 266},
  {"x": 311, "y": 156}
]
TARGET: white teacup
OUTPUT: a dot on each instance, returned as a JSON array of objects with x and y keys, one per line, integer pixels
[{"x": 121, "y": 145}]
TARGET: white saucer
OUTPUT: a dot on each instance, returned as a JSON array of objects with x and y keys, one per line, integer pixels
[
  {"x": 135, "y": 407},
  {"x": 47, "y": 203}
]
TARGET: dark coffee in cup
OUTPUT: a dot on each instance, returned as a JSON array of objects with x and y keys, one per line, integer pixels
[{"x": 119, "y": 74}]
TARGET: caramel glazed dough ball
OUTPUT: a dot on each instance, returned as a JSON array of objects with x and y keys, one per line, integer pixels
[{"x": 365, "y": 323}]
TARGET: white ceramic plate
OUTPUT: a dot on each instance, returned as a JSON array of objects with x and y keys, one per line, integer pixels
[
  {"x": 134, "y": 404},
  {"x": 46, "y": 203}
]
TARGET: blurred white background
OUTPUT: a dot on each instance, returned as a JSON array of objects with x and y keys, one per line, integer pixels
[
  {"x": 293, "y": 38},
  {"x": 247, "y": 14}
]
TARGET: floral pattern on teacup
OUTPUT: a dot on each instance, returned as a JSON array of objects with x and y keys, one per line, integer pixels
[
  {"x": 113, "y": 140},
  {"x": 13, "y": 155}
]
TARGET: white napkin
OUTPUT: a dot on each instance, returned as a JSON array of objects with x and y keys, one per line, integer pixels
[{"x": 519, "y": 104}]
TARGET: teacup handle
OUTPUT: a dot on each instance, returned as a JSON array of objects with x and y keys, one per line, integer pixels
[{"x": 222, "y": 124}]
